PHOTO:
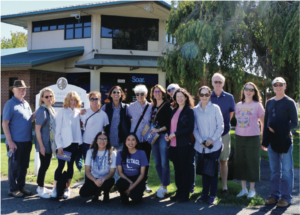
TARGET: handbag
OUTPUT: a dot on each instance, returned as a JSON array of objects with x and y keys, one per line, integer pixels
[
  {"x": 206, "y": 166},
  {"x": 142, "y": 116}
]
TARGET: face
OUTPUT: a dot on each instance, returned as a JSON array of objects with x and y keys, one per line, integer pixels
[
  {"x": 218, "y": 83},
  {"x": 131, "y": 142},
  {"x": 279, "y": 88},
  {"x": 94, "y": 100},
  {"x": 19, "y": 92},
  {"x": 116, "y": 94},
  {"x": 73, "y": 103},
  {"x": 171, "y": 91},
  {"x": 180, "y": 98},
  {"x": 249, "y": 91},
  {"x": 204, "y": 95},
  {"x": 141, "y": 96},
  {"x": 157, "y": 93},
  {"x": 48, "y": 98},
  {"x": 102, "y": 141}
]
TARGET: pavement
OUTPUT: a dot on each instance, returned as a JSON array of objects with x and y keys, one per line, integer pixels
[{"x": 150, "y": 205}]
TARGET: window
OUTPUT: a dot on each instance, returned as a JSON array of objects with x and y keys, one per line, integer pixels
[
  {"x": 170, "y": 39},
  {"x": 74, "y": 29},
  {"x": 128, "y": 32},
  {"x": 11, "y": 83}
]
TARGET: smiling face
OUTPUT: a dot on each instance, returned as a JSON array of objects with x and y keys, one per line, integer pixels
[
  {"x": 131, "y": 142},
  {"x": 94, "y": 101},
  {"x": 157, "y": 93},
  {"x": 116, "y": 94},
  {"x": 73, "y": 103},
  {"x": 48, "y": 98},
  {"x": 279, "y": 90},
  {"x": 218, "y": 83},
  {"x": 141, "y": 97},
  {"x": 180, "y": 99},
  {"x": 204, "y": 95},
  {"x": 247, "y": 91},
  {"x": 102, "y": 141}
]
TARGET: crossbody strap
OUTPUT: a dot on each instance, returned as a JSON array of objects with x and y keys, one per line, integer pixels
[
  {"x": 90, "y": 117},
  {"x": 137, "y": 125},
  {"x": 158, "y": 111}
]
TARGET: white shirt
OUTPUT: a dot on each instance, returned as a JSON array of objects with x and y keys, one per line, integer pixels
[
  {"x": 100, "y": 169},
  {"x": 94, "y": 124}
]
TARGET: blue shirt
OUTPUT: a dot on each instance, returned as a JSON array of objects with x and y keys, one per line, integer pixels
[
  {"x": 18, "y": 114},
  {"x": 226, "y": 103}
]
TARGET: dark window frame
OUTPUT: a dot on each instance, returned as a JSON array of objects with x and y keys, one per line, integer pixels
[{"x": 11, "y": 81}]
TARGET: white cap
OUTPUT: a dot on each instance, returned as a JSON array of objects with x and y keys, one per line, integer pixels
[
  {"x": 176, "y": 86},
  {"x": 278, "y": 79}
]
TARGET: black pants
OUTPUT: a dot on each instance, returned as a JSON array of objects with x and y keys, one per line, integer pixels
[
  {"x": 136, "y": 194},
  {"x": 61, "y": 163},
  {"x": 90, "y": 188},
  {"x": 181, "y": 157},
  {"x": 45, "y": 162},
  {"x": 18, "y": 164},
  {"x": 147, "y": 148}
]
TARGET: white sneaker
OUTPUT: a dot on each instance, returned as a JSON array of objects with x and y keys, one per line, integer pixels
[
  {"x": 43, "y": 194},
  {"x": 67, "y": 193},
  {"x": 242, "y": 193},
  {"x": 251, "y": 194},
  {"x": 54, "y": 193},
  {"x": 46, "y": 190},
  {"x": 161, "y": 193}
]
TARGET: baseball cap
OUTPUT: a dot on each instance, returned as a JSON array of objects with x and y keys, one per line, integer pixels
[{"x": 278, "y": 79}]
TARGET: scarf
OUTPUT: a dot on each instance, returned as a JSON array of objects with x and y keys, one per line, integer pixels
[{"x": 51, "y": 112}]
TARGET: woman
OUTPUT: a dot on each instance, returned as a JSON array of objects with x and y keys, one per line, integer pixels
[
  {"x": 44, "y": 137},
  {"x": 247, "y": 138},
  {"x": 131, "y": 164},
  {"x": 181, "y": 150},
  {"x": 160, "y": 123},
  {"x": 208, "y": 131},
  {"x": 67, "y": 137},
  {"x": 100, "y": 167}
]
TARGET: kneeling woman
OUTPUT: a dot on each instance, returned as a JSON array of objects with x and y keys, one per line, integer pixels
[
  {"x": 100, "y": 167},
  {"x": 131, "y": 164}
]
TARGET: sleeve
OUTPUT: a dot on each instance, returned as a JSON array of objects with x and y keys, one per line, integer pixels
[
  {"x": 83, "y": 117},
  {"x": 219, "y": 123},
  {"x": 260, "y": 110},
  {"x": 168, "y": 117},
  {"x": 190, "y": 127},
  {"x": 106, "y": 120},
  {"x": 7, "y": 111},
  {"x": 293, "y": 114},
  {"x": 103, "y": 108},
  {"x": 119, "y": 159},
  {"x": 41, "y": 116},
  {"x": 129, "y": 111},
  {"x": 88, "y": 157},
  {"x": 232, "y": 107},
  {"x": 144, "y": 161},
  {"x": 113, "y": 160},
  {"x": 58, "y": 128},
  {"x": 196, "y": 131}
]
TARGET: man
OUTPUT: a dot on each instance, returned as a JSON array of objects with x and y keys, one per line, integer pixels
[
  {"x": 227, "y": 105},
  {"x": 171, "y": 90},
  {"x": 17, "y": 118},
  {"x": 280, "y": 118}
]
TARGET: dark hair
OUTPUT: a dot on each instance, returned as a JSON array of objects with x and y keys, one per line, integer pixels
[
  {"x": 256, "y": 96},
  {"x": 204, "y": 87},
  {"x": 95, "y": 146},
  {"x": 153, "y": 99},
  {"x": 189, "y": 99},
  {"x": 123, "y": 96},
  {"x": 125, "y": 152}
]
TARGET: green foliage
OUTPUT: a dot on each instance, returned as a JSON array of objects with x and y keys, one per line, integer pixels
[{"x": 17, "y": 40}]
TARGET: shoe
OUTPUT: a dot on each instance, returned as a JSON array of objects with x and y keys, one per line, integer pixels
[
  {"x": 95, "y": 198},
  {"x": 243, "y": 193},
  {"x": 174, "y": 198},
  {"x": 192, "y": 190},
  {"x": 211, "y": 200},
  {"x": 67, "y": 193},
  {"x": 271, "y": 200},
  {"x": 16, "y": 194},
  {"x": 124, "y": 199},
  {"x": 113, "y": 189},
  {"x": 54, "y": 193},
  {"x": 161, "y": 193},
  {"x": 148, "y": 189},
  {"x": 43, "y": 194},
  {"x": 251, "y": 194},
  {"x": 26, "y": 192},
  {"x": 202, "y": 198},
  {"x": 225, "y": 192},
  {"x": 46, "y": 190},
  {"x": 283, "y": 203},
  {"x": 106, "y": 197}
]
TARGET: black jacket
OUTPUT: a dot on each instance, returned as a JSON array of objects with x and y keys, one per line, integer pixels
[
  {"x": 185, "y": 126},
  {"x": 124, "y": 126}
]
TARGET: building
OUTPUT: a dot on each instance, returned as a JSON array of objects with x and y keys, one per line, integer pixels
[{"x": 95, "y": 46}]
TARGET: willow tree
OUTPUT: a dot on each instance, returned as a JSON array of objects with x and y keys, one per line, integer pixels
[{"x": 237, "y": 37}]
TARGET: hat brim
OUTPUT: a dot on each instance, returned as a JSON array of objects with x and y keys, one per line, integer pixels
[{"x": 11, "y": 87}]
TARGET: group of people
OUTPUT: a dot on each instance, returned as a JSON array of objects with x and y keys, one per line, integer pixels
[{"x": 116, "y": 140}]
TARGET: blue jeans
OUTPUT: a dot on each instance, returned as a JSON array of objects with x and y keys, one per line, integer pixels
[
  {"x": 116, "y": 175},
  {"x": 160, "y": 152},
  {"x": 282, "y": 174}
]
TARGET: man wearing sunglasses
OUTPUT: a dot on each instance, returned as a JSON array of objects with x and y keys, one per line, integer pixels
[
  {"x": 280, "y": 118},
  {"x": 227, "y": 105},
  {"x": 171, "y": 90}
]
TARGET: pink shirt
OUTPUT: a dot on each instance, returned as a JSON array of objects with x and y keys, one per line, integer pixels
[
  {"x": 247, "y": 116},
  {"x": 173, "y": 128}
]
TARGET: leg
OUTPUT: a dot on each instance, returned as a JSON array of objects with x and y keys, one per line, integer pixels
[
  {"x": 274, "y": 158},
  {"x": 59, "y": 169},
  {"x": 73, "y": 149},
  {"x": 85, "y": 147},
  {"x": 24, "y": 159},
  {"x": 165, "y": 167},
  {"x": 157, "y": 159},
  {"x": 287, "y": 180},
  {"x": 205, "y": 185},
  {"x": 240, "y": 158},
  {"x": 107, "y": 185},
  {"x": 213, "y": 186},
  {"x": 224, "y": 160},
  {"x": 13, "y": 167},
  {"x": 116, "y": 175},
  {"x": 122, "y": 186},
  {"x": 45, "y": 162},
  {"x": 192, "y": 169},
  {"x": 147, "y": 148},
  {"x": 89, "y": 188},
  {"x": 137, "y": 193},
  {"x": 177, "y": 171}
]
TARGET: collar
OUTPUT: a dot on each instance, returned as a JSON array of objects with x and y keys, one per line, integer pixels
[
  {"x": 222, "y": 94},
  {"x": 144, "y": 105},
  {"x": 17, "y": 100},
  {"x": 208, "y": 105}
]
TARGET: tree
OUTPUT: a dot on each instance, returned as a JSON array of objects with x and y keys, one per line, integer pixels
[
  {"x": 18, "y": 39},
  {"x": 236, "y": 37}
]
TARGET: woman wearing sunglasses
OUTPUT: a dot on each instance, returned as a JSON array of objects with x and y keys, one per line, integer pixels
[
  {"x": 247, "y": 138},
  {"x": 208, "y": 130}
]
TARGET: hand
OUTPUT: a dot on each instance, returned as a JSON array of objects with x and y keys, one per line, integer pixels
[
  {"x": 263, "y": 148},
  {"x": 204, "y": 146},
  {"x": 129, "y": 189},
  {"x": 167, "y": 138},
  {"x": 209, "y": 142},
  {"x": 271, "y": 129},
  {"x": 98, "y": 182},
  {"x": 82, "y": 111},
  {"x": 43, "y": 151},
  {"x": 12, "y": 145},
  {"x": 171, "y": 136},
  {"x": 153, "y": 130},
  {"x": 60, "y": 151}
]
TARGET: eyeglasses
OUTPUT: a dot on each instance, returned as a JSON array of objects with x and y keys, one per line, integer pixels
[
  {"x": 170, "y": 90},
  {"x": 206, "y": 95},
  {"x": 273, "y": 112},
  {"x": 94, "y": 99},
  {"x": 157, "y": 92},
  {"x": 116, "y": 92},
  {"x": 46, "y": 97},
  {"x": 218, "y": 82},
  {"x": 103, "y": 140},
  {"x": 276, "y": 85},
  {"x": 247, "y": 89},
  {"x": 140, "y": 94}
]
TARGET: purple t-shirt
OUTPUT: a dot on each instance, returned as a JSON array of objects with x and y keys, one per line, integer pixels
[
  {"x": 247, "y": 116},
  {"x": 134, "y": 162}
]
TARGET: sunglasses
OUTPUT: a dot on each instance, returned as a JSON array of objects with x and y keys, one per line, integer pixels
[
  {"x": 247, "y": 89},
  {"x": 116, "y": 92},
  {"x": 170, "y": 90},
  {"x": 206, "y": 95},
  {"x": 46, "y": 97},
  {"x": 157, "y": 92},
  {"x": 94, "y": 99},
  {"x": 218, "y": 82},
  {"x": 140, "y": 94},
  {"x": 276, "y": 85}
]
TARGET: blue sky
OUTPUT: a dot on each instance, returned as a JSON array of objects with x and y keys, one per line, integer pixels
[{"x": 12, "y": 7}]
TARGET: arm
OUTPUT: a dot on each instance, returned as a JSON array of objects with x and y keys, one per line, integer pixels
[
  {"x": 88, "y": 173},
  {"x": 232, "y": 108},
  {"x": 138, "y": 180},
  {"x": 121, "y": 174},
  {"x": 231, "y": 115},
  {"x": 196, "y": 132},
  {"x": 6, "y": 130},
  {"x": 58, "y": 128},
  {"x": 190, "y": 127},
  {"x": 262, "y": 119},
  {"x": 110, "y": 174},
  {"x": 293, "y": 114},
  {"x": 39, "y": 139},
  {"x": 219, "y": 124},
  {"x": 33, "y": 116}
]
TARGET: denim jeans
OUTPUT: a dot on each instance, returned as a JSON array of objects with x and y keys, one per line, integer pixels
[
  {"x": 282, "y": 174},
  {"x": 116, "y": 175},
  {"x": 160, "y": 152}
]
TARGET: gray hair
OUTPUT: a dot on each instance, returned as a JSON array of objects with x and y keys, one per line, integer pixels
[
  {"x": 219, "y": 75},
  {"x": 176, "y": 86},
  {"x": 141, "y": 88}
]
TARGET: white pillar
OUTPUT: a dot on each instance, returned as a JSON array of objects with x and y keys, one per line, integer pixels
[
  {"x": 162, "y": 79},
  {"x": 95, "y": 80}
]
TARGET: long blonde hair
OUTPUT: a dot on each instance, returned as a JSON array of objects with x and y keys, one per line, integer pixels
[
  {"x": 42, "y": 95},
  {"x": 72, "y": 95}
]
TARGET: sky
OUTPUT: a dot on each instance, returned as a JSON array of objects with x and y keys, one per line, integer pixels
[{"x": 12, "y": 7}]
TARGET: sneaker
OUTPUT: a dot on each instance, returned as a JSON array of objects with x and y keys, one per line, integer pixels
[
  {"x": 43, "y": 194},
  {"x": 225, "y": 192},
  {"x": 211, "y": 200},
  {"x": 16, "y": 194},
  {"x": 148, "y": 189},
  {"x": 46, "y": 190},
  {"x": 202, "y": 198},
  {"x": 271, "y": 200},
  {"x": 26, "y": 192},
  {"x": 106, "y": 197},
  {"x": 251, "y": 194},
  {"x": 67, "y": 193},
  {"x": 54, "y": 193},
  {"x": 283, "y": 203},
  {"x": 242, "y": 193},
  {"x": 161, "y": 193}
]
